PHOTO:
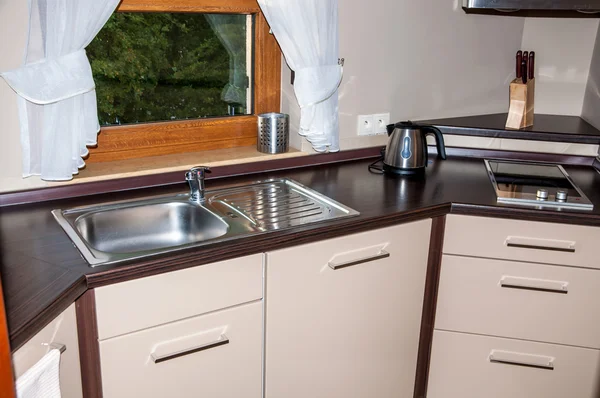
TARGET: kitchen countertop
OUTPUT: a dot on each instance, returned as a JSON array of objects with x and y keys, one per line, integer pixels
[
  {"x": 43, "y": 273},
  {"x": 550, "y": 128}
]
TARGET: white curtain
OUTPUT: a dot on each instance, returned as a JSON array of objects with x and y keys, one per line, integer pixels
[
  {"x": 307, "y": 32},
  {"x": 224, "y": 25},
  {"x": 57, "y": 98}
]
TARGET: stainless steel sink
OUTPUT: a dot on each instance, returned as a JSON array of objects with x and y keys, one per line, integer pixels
[
  {"x": 120, "y": 231},
  {"x": 149, "y": 227}
]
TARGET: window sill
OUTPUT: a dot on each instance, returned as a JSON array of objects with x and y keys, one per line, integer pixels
[{"x": 169, "y": 163}]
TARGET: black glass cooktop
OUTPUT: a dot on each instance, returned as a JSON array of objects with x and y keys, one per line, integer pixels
[{"x": 537, "y": 184}]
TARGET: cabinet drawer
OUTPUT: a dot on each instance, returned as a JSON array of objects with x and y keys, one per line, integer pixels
[
  {"x": 342, "y": 318},
  {"x": 138, "y": 304},
  {"x": 521, "y": 300},
  {"x": 473, "y": 366},
  {"x": 522, "y": 240},
  {"x": 212, "y": 367}
]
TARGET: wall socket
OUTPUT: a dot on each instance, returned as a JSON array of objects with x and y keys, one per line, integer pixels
[
  {"x": 366, "y": 125},
  {"x": 373, "y": 124},
  {"x": 381, "y": 121}
]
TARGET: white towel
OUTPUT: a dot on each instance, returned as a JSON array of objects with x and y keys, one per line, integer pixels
[{"x": 42, "y": 379}]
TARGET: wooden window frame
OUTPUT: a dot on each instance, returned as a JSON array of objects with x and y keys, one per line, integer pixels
[{"x": 163, "y": 138}]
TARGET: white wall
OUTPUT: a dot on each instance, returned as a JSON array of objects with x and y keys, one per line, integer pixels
[
  {"x": 563, "y": 48},
  {"x": 415, "y": 59},
  {"x": 591, "y": 104},
  {"x": 13, "y": 31},
  {"x": 418, "y": 60}
]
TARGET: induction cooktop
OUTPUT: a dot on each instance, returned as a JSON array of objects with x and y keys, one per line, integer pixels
[{"x": 541, "y": 185}]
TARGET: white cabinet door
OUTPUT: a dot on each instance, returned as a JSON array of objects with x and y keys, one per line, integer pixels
[
  {"x": 62, "y": 330},
  {"x": 217, "y": 355},
  {"x": 474, "y": 366},
  {"x": 164, "y": 298},
  {"x": 520, "y": 300},
  {"x": 537, "y": 242},
  {"x": 343, "y": 317}
]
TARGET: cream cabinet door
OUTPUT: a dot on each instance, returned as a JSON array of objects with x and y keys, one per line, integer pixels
[
  {"x": 475, "y": 366},
  {"x": 343, "y": 315},
  {"x": 62, "y": 330},
  {"x": 526, "y": 301},
  {"x": 217, "y": 355}
]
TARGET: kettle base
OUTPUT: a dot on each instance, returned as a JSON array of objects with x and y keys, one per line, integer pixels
[{"x": 403, "y": 172}]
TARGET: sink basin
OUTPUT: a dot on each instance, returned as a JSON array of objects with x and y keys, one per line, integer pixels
[
  {"x": 116, "y": 232},
  {"x": 149, "y": 227}
]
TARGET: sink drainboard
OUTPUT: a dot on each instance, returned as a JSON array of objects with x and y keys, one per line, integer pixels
[{"x": 280, "y": 204}]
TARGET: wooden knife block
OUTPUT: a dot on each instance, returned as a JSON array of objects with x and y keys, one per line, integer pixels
[{"x": 522, "y": 101}]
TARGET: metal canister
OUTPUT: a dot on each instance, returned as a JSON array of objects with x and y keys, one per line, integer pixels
[{"x": 273, "y": 132}]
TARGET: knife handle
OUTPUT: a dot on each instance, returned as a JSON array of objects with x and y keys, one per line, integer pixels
[
  {"x": 519, "y": 60},
  {"x": 524, "y": 71},
  {"x": 531, "y": 65}
]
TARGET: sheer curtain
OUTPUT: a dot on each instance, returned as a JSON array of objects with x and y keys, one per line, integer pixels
[
  {"x": 307, "y": 32},
  {"x": 57, "y": 98},
  {"x": 225, "y": 27}
]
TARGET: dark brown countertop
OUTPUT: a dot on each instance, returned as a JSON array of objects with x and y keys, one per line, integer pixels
[
  {"x": 43, "y": 273},
  {"x": 555, "y": 128}
]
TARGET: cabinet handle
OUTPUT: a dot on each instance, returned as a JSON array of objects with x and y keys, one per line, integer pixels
[
  {"x": 520, "y": 359},
  {"x": 541, "y": 244},
  {"x": 378, "y": 256},
  {"x": 540, "y": 285},
  {"x": 162, "y": 358}
]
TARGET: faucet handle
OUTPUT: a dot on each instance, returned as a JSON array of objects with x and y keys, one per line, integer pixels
[{"x": 197, "y": 172}]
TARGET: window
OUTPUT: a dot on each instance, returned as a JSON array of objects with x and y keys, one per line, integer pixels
[{"x": 182, "y": 76}]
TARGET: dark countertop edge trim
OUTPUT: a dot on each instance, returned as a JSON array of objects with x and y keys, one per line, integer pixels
[
  {"x": 176, "y": 177},
  {"x": 530, "y": 13},
  {"x": 518, "y": 134},
  {"x": 578, "y": 160},
  {"x": 27, "y": 330},
  {"x": 516, "y": 213},
  {"x": 260, "y": 244}
]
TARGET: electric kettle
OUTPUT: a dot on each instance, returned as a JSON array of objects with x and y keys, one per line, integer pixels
[{"x": 406, "y": 150}]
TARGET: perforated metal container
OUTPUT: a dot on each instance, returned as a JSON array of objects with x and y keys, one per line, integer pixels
[{"x": 273, "y": 133}]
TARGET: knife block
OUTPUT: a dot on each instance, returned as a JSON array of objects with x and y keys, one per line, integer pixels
[{"x": 522, "y": 101}]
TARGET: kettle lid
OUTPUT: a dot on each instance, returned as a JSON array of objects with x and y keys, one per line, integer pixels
[
  {"x": 401, "y": 125},
  {"x": 407, "y": 125}
]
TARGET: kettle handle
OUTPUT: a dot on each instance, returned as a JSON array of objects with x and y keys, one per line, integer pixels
[
  {"x": 390, "y": 129},
  {"x": 439, "y": 141}
]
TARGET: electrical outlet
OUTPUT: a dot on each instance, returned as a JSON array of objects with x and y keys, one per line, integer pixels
[
  {"x": 381, "y": 121},
  {"x": 366, "y": 125}
]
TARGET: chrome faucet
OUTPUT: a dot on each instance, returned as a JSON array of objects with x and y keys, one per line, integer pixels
[{"x": 195, "y": 177}]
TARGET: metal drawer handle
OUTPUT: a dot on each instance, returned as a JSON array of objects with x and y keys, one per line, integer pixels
[
  {"x": 378, "y": 256},
  {"x": 56, "y": 346},
  {"x": 162, "y": 358},
  {"x": 540, "y": 285},
  {"x": 541, "y": 244},
  {"x": 520, "y": 359}
]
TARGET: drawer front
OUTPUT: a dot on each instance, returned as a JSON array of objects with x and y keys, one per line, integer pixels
[
  {"x": 164, "y": 298},
  {"x": 224, "y": 358},
  {"x": 520, "y": 300},
  {"x": 523, "y": 240},
  {"x": 62, "y": 330},
  {"x": 342, "y": 318},
  {"x": 473, "y": 366}
]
